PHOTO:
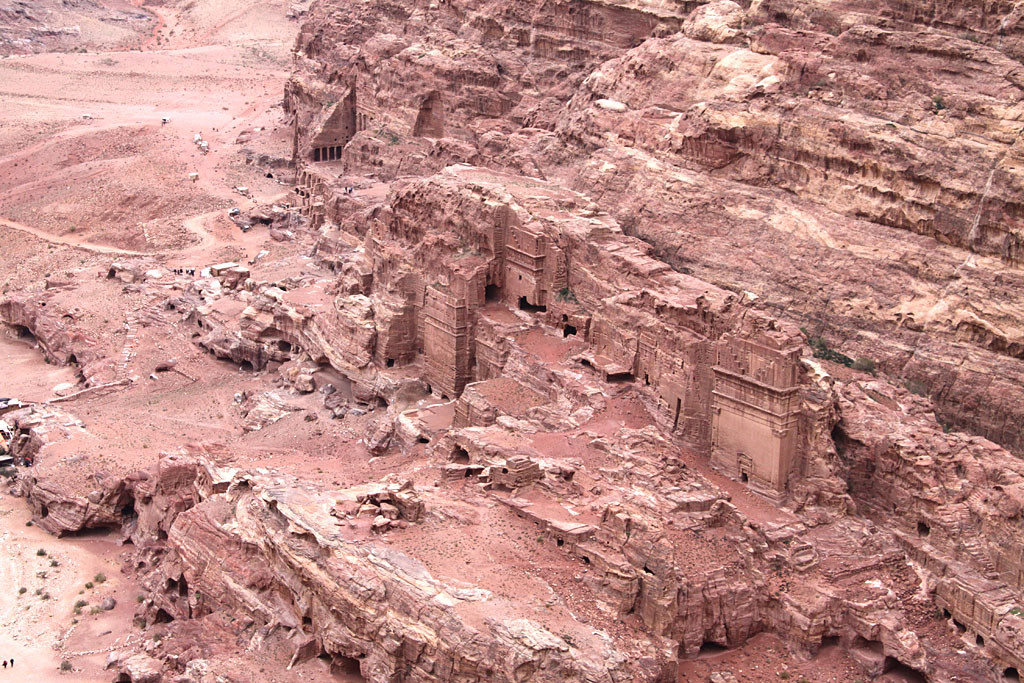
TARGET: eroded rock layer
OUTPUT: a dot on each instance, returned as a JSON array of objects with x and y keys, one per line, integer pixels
[
  {"x": 688, "y": 137},
  {"x": 637, "y": 330}
]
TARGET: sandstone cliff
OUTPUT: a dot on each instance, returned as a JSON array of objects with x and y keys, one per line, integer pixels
[{"x": 901, "y": 180}]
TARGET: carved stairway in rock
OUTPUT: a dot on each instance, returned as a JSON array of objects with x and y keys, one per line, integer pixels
[
  {"x": 802, "y": 555},
  {"x": 152, "y": 314},
  {"x": 131, "y": 343},
  {"x": 957, "y": 519},
  {"x": 149, "y": 315}
]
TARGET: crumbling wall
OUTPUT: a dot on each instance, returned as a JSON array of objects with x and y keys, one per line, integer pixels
[{"x": 956, "y": 501}]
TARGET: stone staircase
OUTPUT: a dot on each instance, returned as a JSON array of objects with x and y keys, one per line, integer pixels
[
  {"x": 131, "y": 343},
  {"x": 802, "y": 555},
  {"x": 976, "y": 501},
  {"x": 979, "y": 555},
  {"x": 957, "y": 520},
  {"x": 153, "y": 313}
]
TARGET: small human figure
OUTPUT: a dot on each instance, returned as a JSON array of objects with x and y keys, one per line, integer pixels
[{"x": 5, "y": 663}]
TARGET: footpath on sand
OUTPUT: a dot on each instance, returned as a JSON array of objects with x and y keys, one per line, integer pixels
[{"x": 44, "y": 579}]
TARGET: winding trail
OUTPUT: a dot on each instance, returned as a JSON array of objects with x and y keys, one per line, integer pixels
[
  {"x": 70, "y": 241},
  {"x": 209, "y": 34},
  {"x": 194, "y": 224},
  {"x": 158, "y": 23}
]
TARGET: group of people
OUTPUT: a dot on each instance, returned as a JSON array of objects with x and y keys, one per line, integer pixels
[
  {"x": 184, "y": 271},
  {"x": 11, "y": 663},
  {"x": 349, "y": 189}
]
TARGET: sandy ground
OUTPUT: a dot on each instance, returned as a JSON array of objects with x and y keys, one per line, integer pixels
[
  {"x": 88, "y": 172},
  {"x": 26, "y": 375},
  {"x": 120, "y": 178},
  {"x": 37, "y": 627}
]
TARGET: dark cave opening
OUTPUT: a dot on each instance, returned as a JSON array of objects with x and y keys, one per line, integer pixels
[
  {"x": 24, "y": 334},
  {"x": 343, "y": 668},
  {"x": 711, "y": 648},
  {"x": 898, "y": 671},
  {"x": 525, "y": 305}
]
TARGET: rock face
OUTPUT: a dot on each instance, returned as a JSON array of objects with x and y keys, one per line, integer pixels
[
  {"x": 268, "y": 548},
  {"x": 721, "y": 377},
  {"x": 546, "y": 282},
  {"x": 876, "y": 159},
  {"x": 369, "y": 604},
  {"x": 858, "y": 167},
  {"x": 551, "y": 255},
  {"x": 50, "y": 323},
  {"x": 955, "y": 502},
  {"x": 782, "y": 151},
  {"x": 690, "y": 566},
  {"x": 836, "y": 119}
]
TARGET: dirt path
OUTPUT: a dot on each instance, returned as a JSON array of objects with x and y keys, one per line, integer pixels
[
  {"x": 32, "y": 624},
  {"x": 62, "y": 137},
  {"x": 240, "y": 12},
  {"x": 69, "y": 241},
  {"x": 196, "y": 226},
  {"x": 158, "y": 23}
]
